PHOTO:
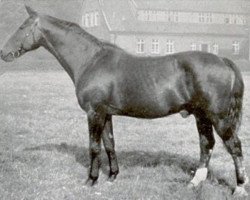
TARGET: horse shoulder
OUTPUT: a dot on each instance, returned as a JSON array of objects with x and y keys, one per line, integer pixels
[{"x": 95, "y": 85}]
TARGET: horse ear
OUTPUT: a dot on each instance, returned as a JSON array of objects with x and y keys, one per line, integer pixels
[{"x": 30, "y": 11}]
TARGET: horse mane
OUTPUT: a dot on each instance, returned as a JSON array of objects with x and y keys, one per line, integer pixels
[
  {"x": 74, "y": 27},
  {"x": 110, "y": 45}
]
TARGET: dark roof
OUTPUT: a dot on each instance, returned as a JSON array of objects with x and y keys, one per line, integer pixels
[
  {"x": 221, "y": 6},
  {"x": 117, "y": 12},
  {"x": 120, "y": 18},
  {"x": 184, "y": 28}
]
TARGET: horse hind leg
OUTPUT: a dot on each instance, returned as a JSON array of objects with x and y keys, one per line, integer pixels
[
  {"x": 205, "y": 129},
  {"x": 233, "y": 145}
]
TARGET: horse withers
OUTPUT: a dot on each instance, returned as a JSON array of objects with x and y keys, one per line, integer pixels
[{"x": 109, "y": 81}]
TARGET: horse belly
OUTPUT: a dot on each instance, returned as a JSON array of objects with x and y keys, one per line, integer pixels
[{"x": 157, "y": 104}]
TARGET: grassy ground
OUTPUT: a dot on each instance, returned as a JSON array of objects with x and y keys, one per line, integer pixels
[{"x": 44, "y": 148}]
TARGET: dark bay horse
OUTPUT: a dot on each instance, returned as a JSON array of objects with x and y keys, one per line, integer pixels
[{"x": 109, "y": 81}]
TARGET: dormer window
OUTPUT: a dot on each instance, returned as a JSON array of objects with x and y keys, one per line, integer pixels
[
  {"x": 97, "y": 19},
  {"x": 91, "y": 19}
]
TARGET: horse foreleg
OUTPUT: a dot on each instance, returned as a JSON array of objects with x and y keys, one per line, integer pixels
[
  {"x": 207, "y": 141},
  {"x": 109, "y": 144},
  {"x": 96, "y": 125}
]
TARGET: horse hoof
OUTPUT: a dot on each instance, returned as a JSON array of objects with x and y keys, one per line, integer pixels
[
  {"x": 190, "y": 185},
  {"x": 240, "y": 192},
  {"x": 112, "y": 178},
  {"x": 184, "y": 113},
  {"x": 90, "y": 182}
]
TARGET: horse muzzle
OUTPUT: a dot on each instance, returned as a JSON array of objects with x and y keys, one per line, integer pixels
[{"x": 8, "y": 57}]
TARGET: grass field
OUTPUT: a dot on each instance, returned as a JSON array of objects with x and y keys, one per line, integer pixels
[{"x": 44, "y": 148}]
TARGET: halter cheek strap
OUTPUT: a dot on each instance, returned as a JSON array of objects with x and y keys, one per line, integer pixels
[{"x": 17, "y": 53}]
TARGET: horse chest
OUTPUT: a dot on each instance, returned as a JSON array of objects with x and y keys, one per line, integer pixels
[{"x": 94, "y": 90}]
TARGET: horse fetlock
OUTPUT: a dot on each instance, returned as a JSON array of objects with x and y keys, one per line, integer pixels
[{"x": 200, "y": 175}]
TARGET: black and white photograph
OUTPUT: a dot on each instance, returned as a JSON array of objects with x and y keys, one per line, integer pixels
[{"x": 124, "y": 99}]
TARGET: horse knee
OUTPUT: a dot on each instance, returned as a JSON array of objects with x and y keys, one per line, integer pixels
[{"x": 95, "y": 149}]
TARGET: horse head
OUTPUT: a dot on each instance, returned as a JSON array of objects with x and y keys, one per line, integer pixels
[{"x": 26, "y": 38}]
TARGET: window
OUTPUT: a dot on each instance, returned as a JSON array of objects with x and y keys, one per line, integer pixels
[
  {"x": 244, "y": 21},
  {"x": 83, "y": 20},
  {"x": 215, "y": 48},
  {"x": 153, "y": 15},
  {"x": 146, "y": 15},
  {"x": 236, "y": 47},
  {"x": 140, "y": 46},
  {"x": 155, "y": 46},
  {"x": 96, "y": 19},
  {"x": 92, "y": 19},
  {"x": 171, "y": 16},
  {"x": 205, "y": 17},
  {"x": 201, "y": 17},
  {"x": 193, "y": 47},
  {"x": 175, "y": 16},
  {"x": 150, "y": 15},
  {"x": 233, "y": 19},
  {"x": 209, "y": 17},
  {"x": 87, "y": 20},
  {"x": 167, "y": 16},
  {"x": 226, "y": 20},
  {"x": 170, "y": 47}
]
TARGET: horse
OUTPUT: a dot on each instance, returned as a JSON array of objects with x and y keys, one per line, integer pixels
[{"x": 109, "y": 81}]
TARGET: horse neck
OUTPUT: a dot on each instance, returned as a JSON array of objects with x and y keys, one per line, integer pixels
[{"x": 71, "y": 49}]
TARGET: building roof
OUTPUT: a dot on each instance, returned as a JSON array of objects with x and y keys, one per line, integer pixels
[
  {"x": 116, "y": 13},
  {"x": 120, "y": 17},
  {"x": 182, "y": 28},
  {"x": 232, "y": 6}
]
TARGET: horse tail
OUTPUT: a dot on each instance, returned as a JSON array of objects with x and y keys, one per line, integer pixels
[{"x": 235, "y": 107}]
